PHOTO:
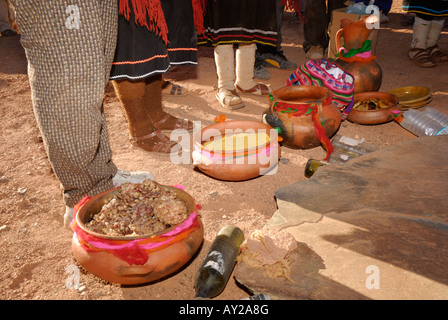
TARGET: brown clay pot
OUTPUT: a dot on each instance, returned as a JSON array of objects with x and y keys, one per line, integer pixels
[
  {"x": 368, "y": 75},
  {"x": 236, "y": 165},
  {"x": 354, "y": 33},
  {"x": 147, "y": 257},
  {"x": 299, "y": 132},
  {"x": 373, "y": 116}
]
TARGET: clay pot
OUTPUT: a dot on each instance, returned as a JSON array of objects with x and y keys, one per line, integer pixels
[
  {"x": 236, "y": 165},
  {"x": 354, "y": 33},
  {"x": 299, "y": 132},
  {"x": 135, "y": 259},
  {"x": 373, "y": 116},
  {"x": 368, "y": 75}
]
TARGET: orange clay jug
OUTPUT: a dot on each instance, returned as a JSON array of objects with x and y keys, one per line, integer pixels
[{"x": 355, "y": 57}]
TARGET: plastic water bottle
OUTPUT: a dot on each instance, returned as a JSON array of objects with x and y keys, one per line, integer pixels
[
  {"x": 434, "y": 114},
  {"x": 219, "y": 262},
  {"x": 422, "y": 125}
]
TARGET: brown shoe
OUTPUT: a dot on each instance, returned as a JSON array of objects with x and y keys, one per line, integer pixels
[
  {"x": 436, "y": 54},
  {"x": 421, "y": 58}
]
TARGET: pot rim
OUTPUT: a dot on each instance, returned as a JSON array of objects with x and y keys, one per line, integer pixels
[
  {"x": 324, "y": 91},
  {"x": 106, "y": 196}
]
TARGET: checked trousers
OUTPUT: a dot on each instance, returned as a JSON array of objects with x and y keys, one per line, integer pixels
[{"x": 70, "y": 45}]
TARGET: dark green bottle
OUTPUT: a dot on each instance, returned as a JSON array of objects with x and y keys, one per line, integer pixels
[
  {"x": 312, "y": 165},
  {"x": 219, "y": 262}
]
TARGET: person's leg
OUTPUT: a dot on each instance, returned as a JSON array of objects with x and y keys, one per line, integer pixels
[
  {"x": 273, "y": 56},
  {"x": 432, "y": 48},
  {"x": 139, "y": 98},
  {"x": 245, "y": 83},
  {"x": 225, "y": 69},
  {"x": 417, "y": 52},
  {"x": 245, "y": 59},
  {"x": 6, "y": 27},
  {"x": 67, "y": 73},
  {"x": 162, "y": 120},
  {"x": 384, "y": 5},
  {"x": 315, "y": 28}
]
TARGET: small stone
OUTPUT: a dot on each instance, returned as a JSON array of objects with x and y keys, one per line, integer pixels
[
  {"x": 213, "y": 193},
  {"x": 284, "y": 160},
  {"x": 21, "y": 190}
]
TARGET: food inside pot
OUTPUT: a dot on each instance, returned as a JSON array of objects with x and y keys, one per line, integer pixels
[
  {"x": 371, "y": 104},
  {"x": 240, "y": 141},
  {"x": 139, "y": 209}
]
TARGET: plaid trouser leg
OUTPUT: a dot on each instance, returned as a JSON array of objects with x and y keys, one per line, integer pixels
[{"x": 70, "y": 46}]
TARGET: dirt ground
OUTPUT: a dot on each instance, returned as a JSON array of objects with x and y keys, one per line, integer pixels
[{"x": 35, "y": 248}]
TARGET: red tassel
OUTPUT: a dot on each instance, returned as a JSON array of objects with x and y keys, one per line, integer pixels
[
  {"x": 198, "y": 15},
  {"x": 294, "y": 5},
  {"x": 144, "y": 9},
  {"x": 321, "y": 134}
]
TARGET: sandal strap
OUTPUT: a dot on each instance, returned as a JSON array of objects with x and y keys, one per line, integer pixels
[
  {"x": 180, "y": 123},
  {"x": 176, "y": 90},
  {"x": 259, "y": 87},
  {"x": 226, "y": 95},
  {"x": 162, "y": 120},
  {"x": 164, "y": 145},
  {"x": 155, "y": 133}
]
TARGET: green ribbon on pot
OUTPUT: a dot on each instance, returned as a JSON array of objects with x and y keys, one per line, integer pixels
[{"x": 352, "y": 52}]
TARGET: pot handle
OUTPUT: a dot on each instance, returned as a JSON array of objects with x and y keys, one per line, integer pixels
[
  {"x": 320, "y": 111},
  {"x": 338, "y": 39}
]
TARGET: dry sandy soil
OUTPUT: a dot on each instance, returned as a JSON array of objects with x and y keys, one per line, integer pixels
[{"x": 35, "y": 248}]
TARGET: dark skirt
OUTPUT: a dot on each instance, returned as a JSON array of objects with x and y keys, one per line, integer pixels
[
  {"x": 435, "y": 8},
  {"x": 141, "y": 53},
  {"x": 239, "y": 21}
]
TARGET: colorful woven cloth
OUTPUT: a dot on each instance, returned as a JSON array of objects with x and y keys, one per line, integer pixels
[{"x": 326, "y": 74}]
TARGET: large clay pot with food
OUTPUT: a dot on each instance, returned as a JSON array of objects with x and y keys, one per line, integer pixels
[
  {"x": 258, "y": 154},
  {"x": 355, "y": 56},
  {"x": 132, "y": 260},
  {"x": 300, "y": 112}
]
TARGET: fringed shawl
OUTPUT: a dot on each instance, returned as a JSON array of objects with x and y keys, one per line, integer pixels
[{"x": 149, "y": 14}]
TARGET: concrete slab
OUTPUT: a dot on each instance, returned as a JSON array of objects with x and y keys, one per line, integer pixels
[{"x": 378, "y": 224}]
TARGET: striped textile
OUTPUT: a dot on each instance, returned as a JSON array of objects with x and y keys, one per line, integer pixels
[
  {"x": 237, "y": 21},
  {"x": 142, "y": 53},
  {"x": 326, "y": 74},
  {"x": 437, "y": 8},
  {"x": 70, "y": 46}
]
